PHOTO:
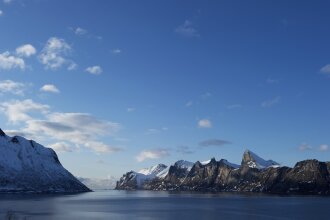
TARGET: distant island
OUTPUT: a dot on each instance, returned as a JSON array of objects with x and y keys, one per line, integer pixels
[
  {"x": 253, "y": 175},
  {"x": 28, "y": 167}
]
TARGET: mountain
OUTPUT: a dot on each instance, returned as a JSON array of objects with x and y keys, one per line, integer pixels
[
  {"x": 26, "y": 166},
  {"x": 252, "y": 160},
  {"x": 253, "y": 175},
  {"x": 136, "y": 180},
  {"x": 99, "y": 184}
]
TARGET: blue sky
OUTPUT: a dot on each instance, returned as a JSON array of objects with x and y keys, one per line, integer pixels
[{"x": 120, "y": 85}]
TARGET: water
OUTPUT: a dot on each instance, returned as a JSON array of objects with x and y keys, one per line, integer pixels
[{"x": 162, "y": 205}]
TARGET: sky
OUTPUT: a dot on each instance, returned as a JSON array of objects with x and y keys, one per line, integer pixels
[{"x": 114, "y": 86}]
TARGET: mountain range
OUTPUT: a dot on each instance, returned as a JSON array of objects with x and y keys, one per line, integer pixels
[{"x": 254, "y": 174}]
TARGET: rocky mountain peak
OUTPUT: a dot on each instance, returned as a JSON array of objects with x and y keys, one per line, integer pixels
[{"x": 252, "y": 160}]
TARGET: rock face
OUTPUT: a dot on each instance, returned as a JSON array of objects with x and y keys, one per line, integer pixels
[
  {"x": 253, "y": 175},
  {"x": 26, "y": 166}
]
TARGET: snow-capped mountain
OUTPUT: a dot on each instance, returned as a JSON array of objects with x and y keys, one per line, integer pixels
[
  {"x": 252, "y": 160},
  {"x": 152, "y": 171},
  {"x": 133, "y": 180},
  {"x": 27, "y": 166}
]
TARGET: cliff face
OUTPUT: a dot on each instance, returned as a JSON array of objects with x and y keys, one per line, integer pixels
[{"x": 254, "y": 175}]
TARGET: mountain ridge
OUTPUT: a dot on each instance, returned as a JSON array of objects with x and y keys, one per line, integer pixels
[{"x": 253, "y": 175}]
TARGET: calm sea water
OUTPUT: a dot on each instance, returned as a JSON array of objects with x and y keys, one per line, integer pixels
[{"x": 162, "y": 205}]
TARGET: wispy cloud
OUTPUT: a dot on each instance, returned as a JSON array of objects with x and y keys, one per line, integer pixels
[
  {"x": 271, "y": 102},
  {"x": 9, "y": 62},
  {"x": 62, "y": 147},
  {"x": 326, "y": 70},
  {"x": 152, "y": 154},
  {"x": 304, "y": 147},
  {"x": 214, "y": 142},
  {"x": 80, "y": 31},
  {"x": 7, "y": 1},
  {"x": 26, "y": 50},
  {"x": 324, "y": 147},
  {"x": 116, "y": 51},
  {"x": 189, "y": 103},
  {"x": 95, "y": 70},
  {"x": 12, "y": 87},
  {"x": 49, "y": 88},
  {"x": 205, "y": 95},
  {"x": 272, "y": 81},
  {"x": 204, "y": 123},
  {"x": 1, "y": 12},
  {"x": 234, "y": 106},
  {"x": 187, "y": 29},
  {"x": 54, "y": 54},
  {"x": 130, "y": 109},
  {"x": 184, "y": 150}
]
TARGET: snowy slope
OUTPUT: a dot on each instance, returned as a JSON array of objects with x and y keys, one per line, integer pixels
[
  {"x": 224, "y": 161},
  {"x": 147, "y": 174},
  {"x": 28, "y": 166},
  {"x": 252, "y": 160},
  {"x": 182, "y": 164}
]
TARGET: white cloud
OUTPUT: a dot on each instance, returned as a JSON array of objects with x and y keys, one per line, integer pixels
[
  {"x": 53, "y": 55},
  {"x": 116, "y": 51},
  {"x": 204, "y": 123},
  {"x": 26, "y": 50},
  {"x": 77, "y": 129},
  {"x": 16, "y": 88},
  {"x": 96, "y": 70},
  {"x": 61, "y": 147},
  {"x": 1, "y": 12},
  {"x": 152, "y": 154},
  {"x": 7, "y": 1},
  {"x": 304, "y": 147},
  {"x": 80, "y": 31},
  {"x": 19, "y": 111},
  {"x": 50, "y": 88},
  {"x": 324, "y": 147},
  {"x": 326, "y": 69},
  {"x": 8, "y": 62},
  {"x": 270, "y": 103},
  {"x": 72, "y": 66},
  {"x": 187, "y": 29},
  {"x": 130, "y": 109}
]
